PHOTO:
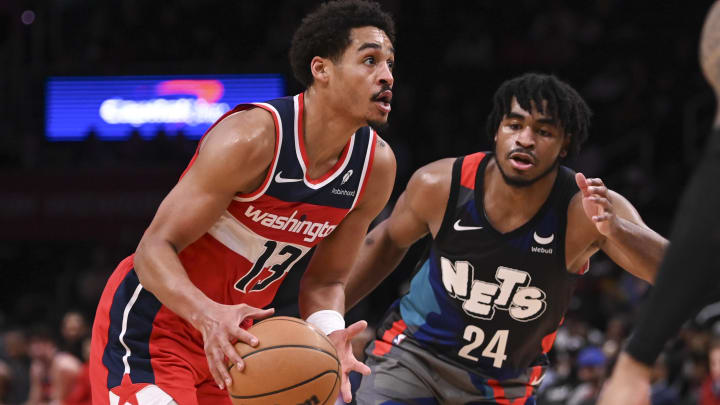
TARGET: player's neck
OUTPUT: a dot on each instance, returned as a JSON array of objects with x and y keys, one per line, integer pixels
[
  {"x": 509, "y": 207},
  {"x": 325, "y": 132}
]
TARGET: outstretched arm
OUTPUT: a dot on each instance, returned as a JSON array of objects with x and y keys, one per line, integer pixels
[
  {"x": 624, "y": 237},
  {"x": 419, "y": 210}
]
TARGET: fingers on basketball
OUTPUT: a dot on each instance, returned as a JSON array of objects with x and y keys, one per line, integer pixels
[{"x": 293, "y": 363}]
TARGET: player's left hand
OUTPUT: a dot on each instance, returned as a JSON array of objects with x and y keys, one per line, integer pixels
[
  {"x": 342, "y": 340},
  {"x": 596, "y": 203}
]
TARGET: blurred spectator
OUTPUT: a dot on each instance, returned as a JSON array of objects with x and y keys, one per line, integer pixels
[
  {"x": 52, "y": 372},
  {"x": 710, "y": 390},
  {"x": 662, "y": 392},
  {"x": 80, "y": 393},
  {"x": 17, "y": 360},
  {"x": 592, "y": 367},
  {"x": 74, "y": 329}
]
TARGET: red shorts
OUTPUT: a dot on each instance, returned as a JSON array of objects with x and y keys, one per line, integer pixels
[{"x": 138, "y": 343}]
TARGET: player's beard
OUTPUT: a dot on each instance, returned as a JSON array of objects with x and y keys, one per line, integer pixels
[{"x": 522, "y": 183}]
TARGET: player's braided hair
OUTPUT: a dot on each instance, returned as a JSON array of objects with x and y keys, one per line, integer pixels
[
  {"x": 563, "y": 103},
  {"x": 326, "y": 32}
]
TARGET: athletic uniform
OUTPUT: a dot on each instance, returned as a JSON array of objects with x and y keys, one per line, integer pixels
[
  {"x": 483, "y": 308},
  {"x": 243, "y": 258}
]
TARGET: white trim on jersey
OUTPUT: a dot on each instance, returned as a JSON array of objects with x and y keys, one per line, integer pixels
[
  {"x": 368, "y": 153},
  {"x": 126, "y": 312},
  {"x": 149, "y": 395},
  {"x": 237, "y": 237},
  {"x": 300, "y": 159},
  {"x": 279, "y": 139}
]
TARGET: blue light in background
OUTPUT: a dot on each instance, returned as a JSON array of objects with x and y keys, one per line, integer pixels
[{"x": 114, "y": 106}]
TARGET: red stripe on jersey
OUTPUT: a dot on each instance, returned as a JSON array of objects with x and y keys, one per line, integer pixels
[
  {"x": 294, "y": 222},
  {"x": 101, "y": 325},
  {"x": 301, "y": 143},
  {"x": 499, "y": 391},
  {"x": 549, "y": 339},
  {"x": 276, "y": 154},
  {"x": 202, "y": 139},
  {"x": 469, "y": 169},
  {"x": 585, "y": 268},
  {"x": 373, "y": 143},
  {"x": 382, "y": 347}
]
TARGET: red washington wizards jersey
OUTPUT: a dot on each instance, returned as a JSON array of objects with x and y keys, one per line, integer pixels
[
  {"x": 242, "y": 258},
  {"x": 261, "y": 235}
]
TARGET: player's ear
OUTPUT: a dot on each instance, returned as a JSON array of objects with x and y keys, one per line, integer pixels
[
  {"x": 319, "y": 67},
  {"x": 566, "y": 145}
]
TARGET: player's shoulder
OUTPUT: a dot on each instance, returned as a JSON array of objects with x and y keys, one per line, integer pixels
[
  {"x": 434, "y": 175},
  {"x": 384, "y": 157},
  {"x": 249, "y": 134}
]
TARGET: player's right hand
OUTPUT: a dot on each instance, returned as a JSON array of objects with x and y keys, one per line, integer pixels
[{"x": 220, "y": 325}]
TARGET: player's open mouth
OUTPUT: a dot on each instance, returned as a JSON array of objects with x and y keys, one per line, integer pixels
[
  {"x": 521, "y": 161},
  {"x": 383, "y": 100}
]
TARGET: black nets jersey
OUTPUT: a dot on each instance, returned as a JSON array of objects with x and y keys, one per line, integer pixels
[{"x": 490, "y": 301}]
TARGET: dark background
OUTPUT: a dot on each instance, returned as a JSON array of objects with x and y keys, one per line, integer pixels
[{"x": 69, "y": 212}]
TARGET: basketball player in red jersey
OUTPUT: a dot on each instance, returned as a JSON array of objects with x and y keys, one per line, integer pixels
[
  {"x": 512, "y": 231},
  {"x": 268, "y": 182}
]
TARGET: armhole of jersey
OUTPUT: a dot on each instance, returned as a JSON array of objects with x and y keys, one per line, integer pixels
[
  {"x": 237, "y": 108},
  {"x": 452, "y": 198},
  {"x": 367, "y": 167},
  {"x": 271, "y": 169}
]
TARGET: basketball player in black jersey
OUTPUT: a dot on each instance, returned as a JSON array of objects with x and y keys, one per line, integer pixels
[
  {"x": 512, "y": 230},
  {"x": 690, "y": 272}
]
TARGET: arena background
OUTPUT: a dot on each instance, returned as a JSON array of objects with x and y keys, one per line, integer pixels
[{"x": 69, "y": 211}]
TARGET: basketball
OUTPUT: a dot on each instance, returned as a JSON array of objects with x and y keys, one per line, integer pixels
[{"x": 293, "y": 363}]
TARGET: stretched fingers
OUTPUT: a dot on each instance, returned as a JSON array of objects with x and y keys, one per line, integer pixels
[
  {"x": 582, "y": 183},
  {"x": 217, "y": 366},
  {"x": 355, "y": 328},
  {"x": 345, "y": 389},
  {"x": 257, "y": 313}
]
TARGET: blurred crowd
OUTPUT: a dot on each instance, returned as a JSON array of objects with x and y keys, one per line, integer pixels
[{"x": 634, "y": 62}]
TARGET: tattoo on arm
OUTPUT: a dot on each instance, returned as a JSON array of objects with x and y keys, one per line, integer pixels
[
  {"x": 369, "y": 241},
  {"x": 380, "y": 142}
]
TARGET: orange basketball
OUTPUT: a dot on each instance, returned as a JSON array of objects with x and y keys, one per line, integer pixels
[{"x": 294, "y": 363}]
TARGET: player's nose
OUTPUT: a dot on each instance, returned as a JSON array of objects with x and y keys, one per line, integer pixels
[
  {"x": 386, "y": 76},
  {"x": 525, "y": 137}
]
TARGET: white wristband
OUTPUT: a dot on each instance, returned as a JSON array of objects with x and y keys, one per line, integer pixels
[{"x": 327, "y": 321}]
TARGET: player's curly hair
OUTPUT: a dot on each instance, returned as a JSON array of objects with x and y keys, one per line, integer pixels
[
  {"x": 563, "y": 103},
  {"x": 326, "y": 32}
]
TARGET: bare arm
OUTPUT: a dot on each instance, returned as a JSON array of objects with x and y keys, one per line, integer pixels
[
  {"x": 323, "y": 284},
  {"x": 234, "y": 158},
  {"x": 622, "y": 234},
  {"x": 419, "y": 210}
]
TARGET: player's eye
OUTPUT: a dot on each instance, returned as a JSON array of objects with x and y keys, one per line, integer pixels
[{"x": 370, "y": 60}]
